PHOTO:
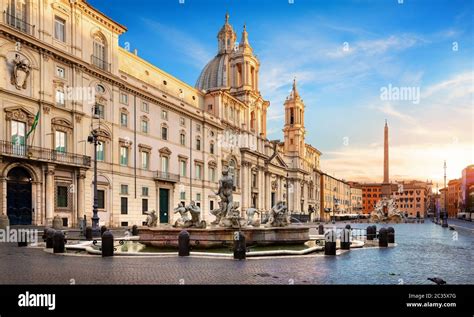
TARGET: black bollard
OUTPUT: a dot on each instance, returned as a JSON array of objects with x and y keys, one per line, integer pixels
[
  {"x": 88, "y": 233},
  {"x": 330, "y": 243},
  {"x": 107, "y": 243},
  {"x": 391, "y": 235},
  {"x": 321, "y": 229},
  {"x": 183, "y": 243},
  {"x": 370, "y": 233},
  {"x": 22, "y": 243},
  {"x": 102, "y": 230},
  {"x": 383, "y": 238},
  {"x": 49, "y": 238},
  {"x": 239, "y": 246},
  {"x": 346, "y": 239},
  {"x": 348, "y": 227},
  {"x": 45, "y": 234},
  {"x": 58, "y": 242},
  {"x": 134, "y": 230}
]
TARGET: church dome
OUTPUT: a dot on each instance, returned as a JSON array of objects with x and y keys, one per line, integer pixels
[{"x": 214, "y": 74}]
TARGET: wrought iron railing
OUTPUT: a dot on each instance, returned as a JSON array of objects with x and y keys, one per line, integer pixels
[
  {"x": 17, "y": 23},
  {"x": 170, "y": 177},
  {"x": 42, "y": 154},
  {"x": 98, "y": 62}
]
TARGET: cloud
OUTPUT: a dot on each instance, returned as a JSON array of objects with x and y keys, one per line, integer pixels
[{"x": 196, "y": 53}]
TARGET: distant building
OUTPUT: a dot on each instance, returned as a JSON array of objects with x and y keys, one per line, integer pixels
[
  {"x": 335, "y": 196},
  {"x": 467, "y": 189},
  {"x": 454, "y": 197},
  {"x": 371, "y": 194}
]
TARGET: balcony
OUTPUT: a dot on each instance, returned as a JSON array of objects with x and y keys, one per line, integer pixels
[
  {"x": 19, "y": 24},
  {"x": 43, "y": 155},
  {"x": 100, "y": 63},
  {"x": 167, "y": 177}
]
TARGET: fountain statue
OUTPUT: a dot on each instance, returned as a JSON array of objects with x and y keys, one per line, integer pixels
[
  {"x": 278, "y": 216},
  {"x": 185, "y": 221},
  {"x": 151, "y": 218},
  {"x": 385, "y": 210},
  {"x": 250, "y": 215},
  {"x": 228, "y": 214}
]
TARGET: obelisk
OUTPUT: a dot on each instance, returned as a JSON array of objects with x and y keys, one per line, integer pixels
[{"x": 386, "y": 187}]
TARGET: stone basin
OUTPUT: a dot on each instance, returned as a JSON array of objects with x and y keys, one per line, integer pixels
[{"x": 217, "y": 237}]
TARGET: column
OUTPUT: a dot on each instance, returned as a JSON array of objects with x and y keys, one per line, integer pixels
[
  {"x": 81, "y": 185},
  {"x": 49, "y": 195},
  {"x": 3, "y": 196},
  {"x": 268, "y": 191},
  {"x": 38, "y": 203},
  {"x": 245, "y": 188}
]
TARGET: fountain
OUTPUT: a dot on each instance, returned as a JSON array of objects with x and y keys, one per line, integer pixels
[
  {"x": 386, "y": 211},
  {"x": 277, "y": 228}
]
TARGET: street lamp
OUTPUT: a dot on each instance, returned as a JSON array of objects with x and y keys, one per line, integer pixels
[{"x": 93, "y": 138}]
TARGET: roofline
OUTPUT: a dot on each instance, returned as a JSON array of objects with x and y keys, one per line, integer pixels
[{"x": 118, "y": 25}]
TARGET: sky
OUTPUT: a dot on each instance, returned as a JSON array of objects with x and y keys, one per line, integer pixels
[{"x": 349, "y": 58}]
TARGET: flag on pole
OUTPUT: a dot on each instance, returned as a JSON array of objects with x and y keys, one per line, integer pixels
[{"x": 35, "y": 123}]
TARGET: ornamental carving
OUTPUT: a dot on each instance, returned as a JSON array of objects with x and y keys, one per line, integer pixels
[
  {"x": 19, "y": 114},
  {"x": 20, "y": 72}
]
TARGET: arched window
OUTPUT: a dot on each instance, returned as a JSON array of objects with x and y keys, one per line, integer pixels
[
  {"x": 198, "y": 144},
  {"x": 182, "y": 137},
  {"x": 99, "y": 56}
]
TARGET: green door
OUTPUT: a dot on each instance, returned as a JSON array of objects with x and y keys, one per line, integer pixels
[{"x": 164, "y": 205}]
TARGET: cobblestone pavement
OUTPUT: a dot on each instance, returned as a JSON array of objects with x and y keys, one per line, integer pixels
[{"x": 427, "y": 251}]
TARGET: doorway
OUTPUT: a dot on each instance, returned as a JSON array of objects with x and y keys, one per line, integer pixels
[
  {"x": 19, "y": 206},
  {"x": 164, "y": 205}
]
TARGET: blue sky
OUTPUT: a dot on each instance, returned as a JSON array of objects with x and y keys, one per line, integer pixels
[{"x": 405, "y": 45}]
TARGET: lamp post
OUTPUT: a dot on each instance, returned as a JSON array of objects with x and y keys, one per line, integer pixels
[{"x": 93, "y": 138}]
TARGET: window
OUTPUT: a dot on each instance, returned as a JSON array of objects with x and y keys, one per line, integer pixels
[
  {"x": 99, "y": 55},
  {"x": 18, "y": 132},
  {"x": 198, "y": 171},
  {"x": 99, "y": 111},
  {"x": 198, "y": 127},
  {"x": 164, "y": 114},
  {"x": 182, "y": 195},
  {"x": 164, "y": 133},
  {"x": 100, "y": 152},
  {"x": 182, "y": 121},
  {"x": 124, "y": 223},
  {"x": 211, "y": 148},
  {"x": 60, "y": 141},
  {"x": 123, "y": 119},
  {"x": 60, "y": 72},
  {"x": 60, "y": 98},
  {"x": 144, "y": 157},
  {"x": 123, "y": 189},
  {"x": 198, "y": 144},
  {"x": 182, "y": 168},
  {"x": 144, "y": 205},
  {"x": 100, "y": 89},
  {"x": 101, "y": 199},
  {"x": 182, "y": 138},
  {"x": 124, "y": 155},
  {"x": 209, "y": 107},
  {"x": 211, "y": 205},
  {"x": 61, "y": 196},
  {"x": 145, "y": 191},
  {"x": 144, "y": 126},
  {"x": 198, "y": 196},
  {"x": 124, "y": 98},
  {"x": 59, "y": 29},
  {"x": 164, "y": 164},
  {"x": 123, "y": 205},
  {"x": 145, "y": 107},
  {"x": 254, "y": 180},
  {"x": 212, "y": 174}
]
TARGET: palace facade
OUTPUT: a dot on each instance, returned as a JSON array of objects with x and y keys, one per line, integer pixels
[{"x": 162, "y": 141}]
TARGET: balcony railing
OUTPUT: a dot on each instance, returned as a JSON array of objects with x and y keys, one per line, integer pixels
[
  {"x": 19, "y": 24},
  {"x": 96, "y": 61},
  {"x": 167, "y": 177},
  {"x": 42, "y": 154}
]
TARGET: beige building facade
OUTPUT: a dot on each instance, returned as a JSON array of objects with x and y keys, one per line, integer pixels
[{"x": 162, "y": 141}]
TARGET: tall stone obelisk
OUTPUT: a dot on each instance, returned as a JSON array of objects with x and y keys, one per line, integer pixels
[{"x": 386, "y": 187}]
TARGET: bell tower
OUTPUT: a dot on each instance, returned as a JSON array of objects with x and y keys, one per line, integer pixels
[
  {"x": 294, "y": 130},
  {"x": 226, "y": 37},
  {"x": 245, "y": 66}
]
